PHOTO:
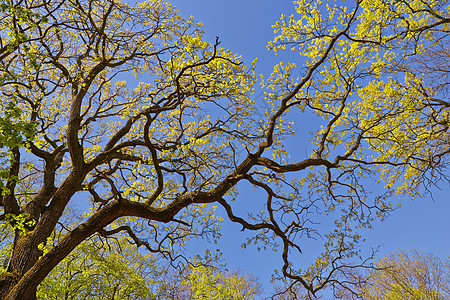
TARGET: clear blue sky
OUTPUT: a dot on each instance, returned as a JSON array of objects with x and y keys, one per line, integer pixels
[{"x": 244, "y": 27}]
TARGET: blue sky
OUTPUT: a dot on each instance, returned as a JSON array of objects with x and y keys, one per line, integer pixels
[{"x": 244, "y": 27}]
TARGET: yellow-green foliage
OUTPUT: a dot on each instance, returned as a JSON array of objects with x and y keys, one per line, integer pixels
[
  {"x": 123, "y": 272},
  {"x": 127, "y": 105},
  {"x": 408, "y": 275},
  {"x": 210, "y": 283},
  {"x": 91, "y": 272}
]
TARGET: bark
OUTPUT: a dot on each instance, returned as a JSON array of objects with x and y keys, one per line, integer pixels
[
  {"x": 26, "y": 253},
  {"x": 29, "y": 271}
]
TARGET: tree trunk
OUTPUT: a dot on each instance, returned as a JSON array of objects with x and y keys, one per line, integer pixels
[{"x": 25, "y": 255}]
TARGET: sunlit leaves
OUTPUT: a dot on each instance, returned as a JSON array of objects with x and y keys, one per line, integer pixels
[
  {"x": 137, "y": 112},
  {"x": 206, "y": 283},
  {"x": 402, "y": 274},
  {"x": 90, "y": 271},
  {"x": 377, "y": 120}
]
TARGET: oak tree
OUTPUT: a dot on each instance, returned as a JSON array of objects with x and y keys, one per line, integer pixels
[{"x": 136, "y": 113}]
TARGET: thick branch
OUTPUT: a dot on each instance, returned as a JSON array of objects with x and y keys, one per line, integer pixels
[
  {"x": 9, "y": 201},
  {"x": 270, "y": 164}
]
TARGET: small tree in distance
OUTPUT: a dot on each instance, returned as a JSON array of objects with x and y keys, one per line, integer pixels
[{"x": 405, "y": 274}]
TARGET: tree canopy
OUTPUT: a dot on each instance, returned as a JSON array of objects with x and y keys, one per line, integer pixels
[
  {"x": 126, "y": 107},
  {"x": 405, "y": 274},
  {"x": 120, "y": 271}
]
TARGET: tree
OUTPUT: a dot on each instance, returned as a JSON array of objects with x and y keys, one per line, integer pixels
[
  {"x": 93, "y": 272},
  {"x": 207, "y": 283},
  {"x": 134, "y": 111},
  {"x": 404, "y": 275},
  {"x": 122, "y": 272}
]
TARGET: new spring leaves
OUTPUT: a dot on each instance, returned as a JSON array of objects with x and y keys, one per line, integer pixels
[{"x": 133, "y": 110}]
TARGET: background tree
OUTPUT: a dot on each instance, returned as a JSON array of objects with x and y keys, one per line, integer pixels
[
  {"x": 208, "y": 283},
  {"x": 120, "y": 271},
  {"x": 405, "y": 274},
  {"x": 135, "y": 112},
  {"x": 94, "y": 272}
]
